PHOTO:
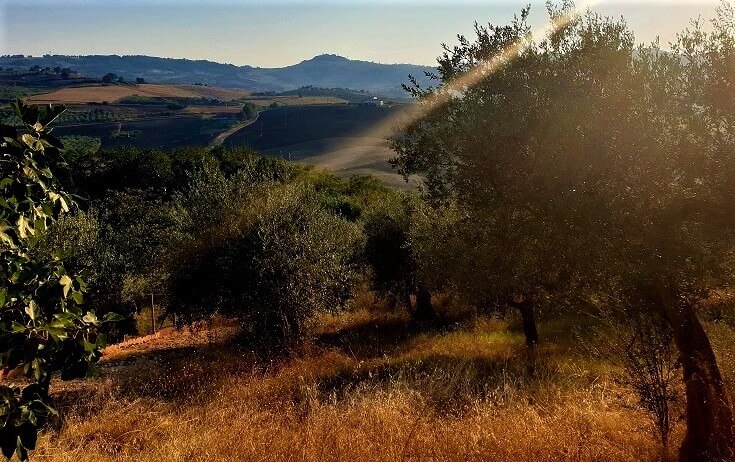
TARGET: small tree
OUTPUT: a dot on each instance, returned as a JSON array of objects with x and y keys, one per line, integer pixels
[
  {"x": 392, "y": 258},
  {"x": 269, "y": 255},
  {"x": 249, "y": 110},
  {"x": 43, "y": 329},
  {"x": 110, "y": 78}
]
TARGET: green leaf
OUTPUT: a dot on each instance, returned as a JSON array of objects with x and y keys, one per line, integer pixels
[
  {"x": 21, "y": 452},
  {"x": 90, "y": 318},
  {"x": 32, "y": 310},
  {"x": 66, "y": 282},
  {"x": 57, "y": 334},
  {"x": 113, "y": 317},
  {"x": 3, "y": 295},
  {"x": 4, "y": 237},
  {"x": 78, "y": 297},
  {"x": 64, "y": 205},
  {"x": 32, "y": 142},
  {"x": 29, "y": 434}
]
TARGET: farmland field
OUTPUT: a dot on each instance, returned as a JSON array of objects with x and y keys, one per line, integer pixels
[
  {"x": 286, "y": 126},
  {"x": 323, "y": 131},
  {"x": 112, "y": 93},
  {"x": 164, "y": 133},
  {"x": 337, "y": 138},
  {"x": 99, "y": 93}
]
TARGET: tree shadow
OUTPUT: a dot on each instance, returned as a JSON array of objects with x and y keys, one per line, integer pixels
[
  {"x": 448, "y": 384},
  {"x": 384, "y": 335}
]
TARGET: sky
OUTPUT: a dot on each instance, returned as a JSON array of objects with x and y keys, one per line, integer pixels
[{"x": 278, "y": 33}]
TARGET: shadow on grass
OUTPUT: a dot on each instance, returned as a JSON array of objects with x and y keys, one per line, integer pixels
[
  {"x": 447, "y": 383},
  {"x": 368, "y": 339},
  {"x": 385, "y": 335},
  {"x": 174, "y": 375}
]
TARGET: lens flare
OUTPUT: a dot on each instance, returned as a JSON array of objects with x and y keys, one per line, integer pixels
[{"x": 391, "y": 125}]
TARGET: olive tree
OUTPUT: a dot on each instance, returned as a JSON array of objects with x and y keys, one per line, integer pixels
[
  {"x": 592, "y": 164},
  {"x": 272, "y": 258},
  {"x": 43, "y": 329},
  {"x": 396, "y": 273}
]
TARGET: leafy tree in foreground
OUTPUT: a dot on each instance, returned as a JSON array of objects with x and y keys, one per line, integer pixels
[
  {"x": 594, "y": 165},
  {"x": 43, "y": 329}
]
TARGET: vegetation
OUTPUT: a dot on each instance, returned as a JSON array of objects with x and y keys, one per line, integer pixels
[
  {"x": 10, "y": 93},
  {"x": 249, "y": 111},
  {"x": 600, "y": 203},
  {"x": 566, "y": 270},
  {"x": 165, "y": 101},
  {"x": 301, "y": 258},
  {"x": 351, "y": 96},
  {"x": 43, "y": 329}
]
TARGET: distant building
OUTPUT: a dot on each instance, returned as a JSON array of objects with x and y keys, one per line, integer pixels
[{"x": 374, "y": 101}]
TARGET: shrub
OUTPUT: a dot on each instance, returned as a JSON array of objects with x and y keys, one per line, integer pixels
[{"x": 269, "y": 254}]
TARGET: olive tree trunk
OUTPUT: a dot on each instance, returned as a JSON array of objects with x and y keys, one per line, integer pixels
[
  {"x": 709, "y": 435},
  {"x": 528, "y": 318},
  {"x": 425, "y": 311}
]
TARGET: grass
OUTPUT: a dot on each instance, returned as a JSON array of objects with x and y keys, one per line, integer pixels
[{"x": 367, "y": 387}]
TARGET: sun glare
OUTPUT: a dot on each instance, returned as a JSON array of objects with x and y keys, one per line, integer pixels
[{"x": 389, "y": 126}]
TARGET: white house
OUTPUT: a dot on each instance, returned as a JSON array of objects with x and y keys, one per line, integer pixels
[{"x": 372, "y": 102}]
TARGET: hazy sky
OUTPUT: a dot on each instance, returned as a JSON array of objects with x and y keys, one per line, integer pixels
[{"x": 278, "y": 33}]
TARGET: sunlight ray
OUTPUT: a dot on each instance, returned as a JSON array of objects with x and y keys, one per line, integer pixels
[{"x": 390, "y": 126}]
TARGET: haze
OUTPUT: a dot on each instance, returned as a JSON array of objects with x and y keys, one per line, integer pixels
[{"x": 275, "y": 34}]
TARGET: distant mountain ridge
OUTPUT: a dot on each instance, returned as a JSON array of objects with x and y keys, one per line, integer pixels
[{"x": 328, "y": 71}]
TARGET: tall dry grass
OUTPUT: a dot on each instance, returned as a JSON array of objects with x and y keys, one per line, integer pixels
[{"x": 469, "y": 393}]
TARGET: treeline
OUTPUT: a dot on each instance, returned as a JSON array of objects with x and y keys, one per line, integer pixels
[
  {"x": 347, "y": 94},
  {"x": 222, "y": 231}
]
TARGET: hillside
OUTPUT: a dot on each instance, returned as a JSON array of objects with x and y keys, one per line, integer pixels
[
  {"x": 320, "y": 71},
  {"x": 336, "y": 137}
]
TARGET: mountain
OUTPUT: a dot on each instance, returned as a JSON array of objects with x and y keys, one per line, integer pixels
[{"x": 329, "y": 71}]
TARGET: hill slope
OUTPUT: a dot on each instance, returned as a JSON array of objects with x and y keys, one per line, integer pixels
[{"x": 320, "y": 71}]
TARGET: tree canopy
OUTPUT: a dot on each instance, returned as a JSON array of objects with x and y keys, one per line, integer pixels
[{"x": 584, "y": 161}]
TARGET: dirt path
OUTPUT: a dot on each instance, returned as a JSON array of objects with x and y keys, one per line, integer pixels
[{"x": 223, "y": 136}]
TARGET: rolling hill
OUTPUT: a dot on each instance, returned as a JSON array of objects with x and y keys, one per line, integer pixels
[{"x": 320, "y": 71}]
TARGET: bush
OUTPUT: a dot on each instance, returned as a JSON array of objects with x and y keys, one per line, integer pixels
[{"x": 269, "y": 254}]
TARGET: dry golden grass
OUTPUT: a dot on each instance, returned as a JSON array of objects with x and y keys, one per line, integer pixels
[
  {"x": 366, "y": 388},
  {"x": 113, "y": 93}
]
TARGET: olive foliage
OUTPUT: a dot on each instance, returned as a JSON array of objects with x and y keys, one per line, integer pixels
[
  {"x": 586, "y": 165},
  {"x": 270, "y": 254}
]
